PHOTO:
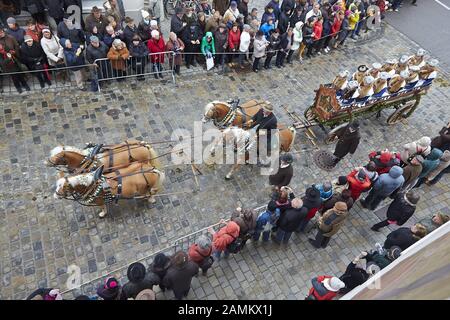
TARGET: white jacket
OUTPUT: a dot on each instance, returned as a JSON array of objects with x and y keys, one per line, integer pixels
[
  {"x": 52, "y": 49},
  {"x": 245, "y": 41},
  {"x": 298, "y": 36},
  {"x": 259, "y": 47}
]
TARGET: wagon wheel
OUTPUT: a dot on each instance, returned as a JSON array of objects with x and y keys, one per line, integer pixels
[
  {"x": 309, "y": 114},
  {"x": 403, "y": 112},
  {"x": 332, "y": 135}
]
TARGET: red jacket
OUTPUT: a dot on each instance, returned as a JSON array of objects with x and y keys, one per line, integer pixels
[
  {"x": 329, "y": 295},
  {"x": 198, "y": 255},
  {"x": 336, "y": 27},
  {"x": 234, "y": 39},
  {"x": 317, "y": 29},
  {"x": 156, "y": 46},
  {"x": 356, "y": 186},
  {"x": 225, "y": 236}
]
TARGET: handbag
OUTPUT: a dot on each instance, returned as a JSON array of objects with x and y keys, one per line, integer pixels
[{"x": 209, "y": 63}]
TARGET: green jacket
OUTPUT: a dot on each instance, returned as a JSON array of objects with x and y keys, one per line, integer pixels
[{"x": 208, "y": 46}]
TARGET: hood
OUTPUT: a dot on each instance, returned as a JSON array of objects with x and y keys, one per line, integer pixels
[
  {"x": 209, "y": 34},
  {"x": 299, "y": 25},
  {"x": 435, "y": 154},
  {"x": 395, "y": 172},
  {"x": 312, "y": 193}
]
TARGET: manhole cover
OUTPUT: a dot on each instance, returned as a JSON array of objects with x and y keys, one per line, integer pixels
[
  {"x": 113, "y": 112},
  {"x": 324, "y": 160}
]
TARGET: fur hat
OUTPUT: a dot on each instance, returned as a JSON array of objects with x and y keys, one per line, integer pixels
[
  {"x": 433, "y": 62},
  {"x": 363, "y": 68},
  {"x": 404, "y": 73},
  {"x": 421, "y": 52},
  {"x": 341, "y": 206},
  {"x": 344, "y": 73},
  {"x": 333, "y": 284},
  {"x": 403, "y": 59},
  {"x": 136, "y": 272},
  {"x": 424, "y": 142},
  {"x": 384, "y": 75},
  {"x": 368, "y": 80},
  {"x": 376, "y": 65},
  {"x": 412, "y": 196}
]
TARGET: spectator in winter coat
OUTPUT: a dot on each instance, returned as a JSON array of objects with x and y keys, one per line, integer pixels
[
  {"x": 74, "y": 57},
  {"x": 179, "y": 275},
  {"x": 312, "y": 202},
  {"x": 177, "y": 46},
  {"x": 325, "y": 189},
  {"x": 289, "y": 221},
  {"x": 157, "y": 270},
  {"x": 155, "y": 10},
  {"x": 224, "y": 237},
  {"x": 314, "y": 12},
  {"x": 259, "y": 50},
  {"x": 68, "y": 30},
  {"x": 421, "y": 146},
  {"x": 139, "y": 56},
  {"x": 298, "y": 38},
  {"x": 110, "y": 290},
  {"x": 442, "y": 141},
  {"x": 285, "y": 172},
  {"x": 381, "y": 258},
  {"x": 283, "y": 21},
  {"x": 244, "y": 45},
  {"x": 116, "y": 9},
  {"x": 384, "y": 160},
  {"x": 96, "y": 20},
  {"x": 386, "y": 184},
  {"x": 285, "y": 49},
  {"x": 348, "y": 142},
  {"x": 353, "y": 20},
  {"x": 329, "y": 225},
  {"x": 405, "y": 237},
  {"x": 156, "y": 47},
  {"x": 230, "y": 16},
  {"x": 288, "y": 5},
  {"x": 33, "y": 57},
  {"x": 213, "y": 22},
  {"x": 200, "y": 252},
  {"x": 429, "y": 164},
  {"x": 308, "y": 35},
  {"x": 144, "y": 28},
  {"x": 208, "y": 48},
  {"x": 275, "y": 4},
  {"x": 221, "y": 44},
  {"x": 268, "y": 27},
  {"x": 32, "y": 31},
  {"x": 53, "y": 50},
  {"x": 317, "y": 38},
  {"x": 444, "y": 167},
  {"x": 234, "y": 40},
  {"x": 411, "y": 172},
  {"x": 137, "y": 281},
  {"x": 129, "y": 32},
  {"x": 97, "y": 50},
  {"x": 298, "y": 15},
  {"x": 345, "y": 30},
  {"x": 325, "y": 288},
  {"x": 176, "y": 24},
  {"x": 400, "y": 210},
  {"x": 435, "y": 221},
  {"x": 243, "y": 9},
  {"x": 358, "y": 182},
  {"x": 336, "y": 27},
  {"x": 192, "y": 37},
  {"x": 354, "y": 275},
  {"x": 274, "y": 45},
  {"x": 268, "y": 13},
  {"x": 14, "y": 30},
  {"x": 344, "y": 196},
  {"x": 190, "y": 17},
  {"x": 118, "y": 55},
  {"x": 55, "y": 9},
  {"x": 246, "y": 219},
  {"x": 266, "y": 221}
]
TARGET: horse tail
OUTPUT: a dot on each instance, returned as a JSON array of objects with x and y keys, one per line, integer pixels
[
  {"x": 153, "y": 160},
  {"x": 294, "y": 133}
]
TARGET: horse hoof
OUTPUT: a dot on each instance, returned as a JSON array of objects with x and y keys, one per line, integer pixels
[{"x": 102, "y": 214}]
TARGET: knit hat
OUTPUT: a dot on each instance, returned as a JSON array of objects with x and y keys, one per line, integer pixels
[
  {"x": 424, "y": 142},
  {"x": 54, "y": 294},
  {"x": 412, "y": 196},
  {"x": 341, "y": 206},
  {"x": 233, "y": 4},
  {"x": 393, "y": 253},
  {"x": 361, "y": 175},
  {"x": 146, "y": 294},
  {"x": 27, "y": 38},
  {"x": 155, "y": 33},
  {"x": 419, "y": 158},
  {"x": 111, "y": 283},
  {"x": 333, "y": 284},
  {"x": 136, "y": 272},
  {"x": 94, "y": 39},
  {"x": 11, "y": 20},
  {"x": 312, "y": 193},
  {"x": 45, "y": 30}
]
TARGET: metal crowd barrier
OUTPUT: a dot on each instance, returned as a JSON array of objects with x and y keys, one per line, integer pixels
[
  {"x": 53, "y": 78},
  {"x": 135, "y": 67},
  {"x": 181, "y": 244}
]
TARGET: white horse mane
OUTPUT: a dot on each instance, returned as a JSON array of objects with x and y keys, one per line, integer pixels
[
  {"x": 211, "y": 104},
  {"x": 85, "y": 179},
  {"x": 57, "y": 150}
]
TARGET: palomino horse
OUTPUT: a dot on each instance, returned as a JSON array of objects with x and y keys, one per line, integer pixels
[
  {"x": 138, "y": 180},
  {"x": 243, "y": 141},
  {"x": 114, "y": 156}
]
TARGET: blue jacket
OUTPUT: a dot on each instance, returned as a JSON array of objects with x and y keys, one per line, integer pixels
[
  {"x": 265, "y": 28},
  {"x": 387, "y": 183},
  {"x": 70, "y": 55},
  {"x": 324, "y": 195},
  {"x": 267, "y": 217},
  {"x": 138, "y": 51},
  {"x": 431, "y": 162}
]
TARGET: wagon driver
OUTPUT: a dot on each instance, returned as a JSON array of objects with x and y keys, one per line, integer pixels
[{"x": 267, "y": 122}]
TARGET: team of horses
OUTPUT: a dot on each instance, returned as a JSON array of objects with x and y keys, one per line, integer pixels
[{"x": 99, "y": 175}]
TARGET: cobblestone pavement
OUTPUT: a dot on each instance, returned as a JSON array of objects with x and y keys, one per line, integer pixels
[{"x": 41, "y": 237}]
